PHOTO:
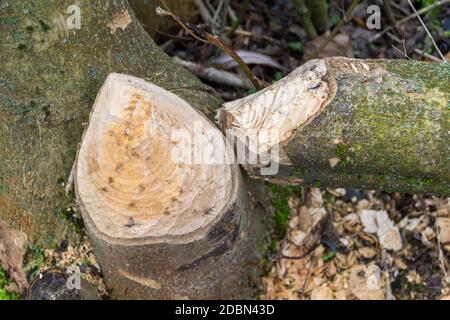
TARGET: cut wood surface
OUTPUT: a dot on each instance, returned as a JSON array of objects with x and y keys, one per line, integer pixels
[
  {"x": 370, "y": 124},
  {"x": 162, "y": 227},
  {"x": 125, "y": 171}
]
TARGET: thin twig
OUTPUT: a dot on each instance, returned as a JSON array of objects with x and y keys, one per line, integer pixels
[
  {"x": 206, "y": 37},
  {"x": 428, "y": 32},
  {"x": 391, "y": 18},
  {"x": 217, "y": 12},
  {"x": 307, "y": 275},
  {"x": 263, "y": 37},
  {"x": 336, "y": 29},
  {"x": 400, "y": 8},
  {"x": 171, "y": 36},
  {"x": 416, "y": 50},
  {"x": 406, "y": 19},
  {"x": 404, "y": 50}
]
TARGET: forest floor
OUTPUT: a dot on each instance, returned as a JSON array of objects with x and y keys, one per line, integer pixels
[
  {"x": 329, "y": 243},
  {"x": 351, "y": 244}
]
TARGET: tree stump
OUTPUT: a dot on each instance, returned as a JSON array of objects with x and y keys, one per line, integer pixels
[{"x": 163, "y": 228}]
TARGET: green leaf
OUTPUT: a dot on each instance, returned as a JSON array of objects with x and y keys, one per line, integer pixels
[
  {"x": 328, "y": 256},
  {"x": 296, "y": 46},
  {"x": 4, "y": 281},
  {"x": 252, "y": 90},
  {"x": 278, "y": 76}
]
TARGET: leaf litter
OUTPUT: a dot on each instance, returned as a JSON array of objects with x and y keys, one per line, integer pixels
[{"x": 382, "y": 246}]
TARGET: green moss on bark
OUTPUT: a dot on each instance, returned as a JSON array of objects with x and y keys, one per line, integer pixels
[
  {"x": 388, "y": 128},
  {"x": 48, "y": 82}
]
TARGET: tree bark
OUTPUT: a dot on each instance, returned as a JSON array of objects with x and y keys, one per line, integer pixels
[
  {"x": 49, "y": 77},
  {"x": 369, "y": 124},
  {"x": 164, "y": 227}
]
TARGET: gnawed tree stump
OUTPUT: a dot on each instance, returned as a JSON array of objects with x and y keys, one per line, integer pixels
[
  {"x": 163, "y": 228},
  {"x": 369, "y": 124}
]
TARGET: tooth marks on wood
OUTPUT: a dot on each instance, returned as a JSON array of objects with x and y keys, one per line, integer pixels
[{"x": 147, "y": 214}]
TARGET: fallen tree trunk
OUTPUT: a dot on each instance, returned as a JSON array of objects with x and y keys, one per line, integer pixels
[
  {"x": 49, "y": 77},
  {"x": 370, "y": 124},
  {"x": 164, "y": 227}
]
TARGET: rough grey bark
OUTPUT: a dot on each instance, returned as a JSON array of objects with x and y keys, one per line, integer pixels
[
  {"x": 49, "y": 77},
  {"x": 384, "y": 126}
]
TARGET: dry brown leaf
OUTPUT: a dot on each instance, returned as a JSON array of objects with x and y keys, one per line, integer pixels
[
  {"x": 399, "y": 263},
  {"x": 361, "y": 284},
  {"x": 367, "y": 252},
  {"x": 297, "y": 237},
  {"x": 250, "y": 57},
  {"x": 322, "y": 293},
  {"x": 414, "y": 277},
  {"x": 339, "y": 46},
  {"x": 305, "y": 219},
  {"x": 315, "y": 199},
  {"x": 339, "y": 283},
  {"x": 427, "y": 237},
  {"x": 352, "y": 223},
  {"x": 340, "y": 295},
  {"x": 331, "y": 269},
  {"x": 378, "y": 221},
  {"x": 444, "y": 230},
  {"x": 373, "y": 274},
  {"x": 363, "y": 204}
]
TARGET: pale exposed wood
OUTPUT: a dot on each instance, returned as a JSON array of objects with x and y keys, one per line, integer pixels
[
  {"x": 284, "y": 106},
  {"x": 126, "y": 177},
  {"x": 369, "y": 124},
  {"x": 162, "y": 226}
]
